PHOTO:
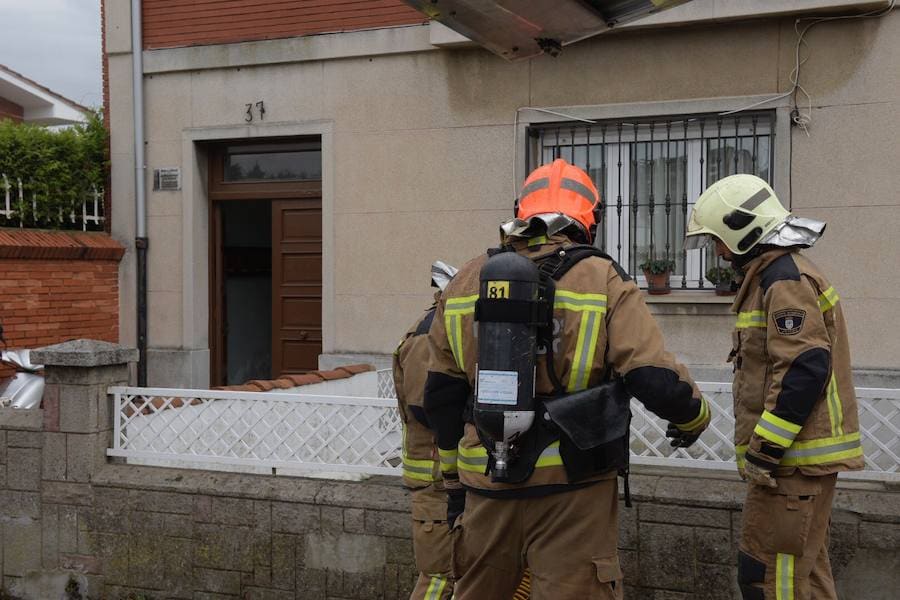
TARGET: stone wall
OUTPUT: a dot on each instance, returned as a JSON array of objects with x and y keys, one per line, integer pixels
[{"x": 69, "y": 516}]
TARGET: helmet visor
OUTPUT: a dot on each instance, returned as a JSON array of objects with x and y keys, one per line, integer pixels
[{"x": 697, "y": 241}]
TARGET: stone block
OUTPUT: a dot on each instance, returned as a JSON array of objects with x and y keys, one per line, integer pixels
[
  {"x": 104, "y": 376},
  {"x": 50, "y": 406},
  {"x": 112, "y": 550},
  {"x": 80, "y": 456},
  {"x": 311, "y": 584},
  {"x": 400, "y": 552},
  {"x": 393, "y": 524},
  {"x": 354, "y": 520},
  {"x": 49, "y": 536},
  {"x": 684, "y": 515},
  {"x": 716, "y": 582},
  {"x": 364, "y": 495},
  {"x": 628, "y": 528},
  {"x": 713, "y": 545},
  {"x": 213, "y": 596},
  {"x": 141, "y": 500},
  {"x": 873, "y": 574},
  {"x": 406, "y": 580},
  {"x": 630, "y": 563},
  {"x": 363, "y": 586},
  {"x": 284, "y": 560},
  {"x": 177, "y": 567},
  {"x": 85, "y": 354},
  {"x": 227, "y": 511},
  {"x": 843, "y": 544},
  {"x": 256, "y": 593},
  {"x": 23, "y": 469},
  {"x": 2, "y": 446},
  {"x": 347, "y": 552},
  {"x": 332, "y": 519},
  {"x": 167, "y": 524},
  {"x": 25, "y": 439},
  {"x": 68, "y": 529},
  {"x": 53, "y": 460},
  {"x": 714, "y": 493},
  {"x": 63, "y": 492},
  {"x": 884, "y": 536},
  {"x": 289, "y": 517},
  {"x": 21, "y": 546},
  {"x": 20, "y": 505},
  {"x": 29, "y": 419},
  {"x": 223, "y": 547},
  {"x": 81, "y": 563},
  {"x": 661, "y": 567},
  {"x": 110, "y": 512},
  {"x": 391, "y": 578},
  {"x": 222, "y": 582},
  {"x": 78, "y": 408}
]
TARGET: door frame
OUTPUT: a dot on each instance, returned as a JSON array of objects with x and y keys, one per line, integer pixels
[{"x": 219, "y": 191}]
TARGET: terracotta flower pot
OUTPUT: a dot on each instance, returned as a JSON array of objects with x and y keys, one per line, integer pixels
[{"x": 657, "y": 283}]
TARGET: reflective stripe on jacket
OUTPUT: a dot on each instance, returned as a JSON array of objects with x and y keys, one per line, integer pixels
[{"x": 787, "y": 312}]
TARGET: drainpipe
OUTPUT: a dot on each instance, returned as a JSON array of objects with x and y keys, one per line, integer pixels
[{"x": 140, "y": 169}]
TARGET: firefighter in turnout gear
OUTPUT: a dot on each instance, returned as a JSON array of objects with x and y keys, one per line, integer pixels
[
  {"x": 535, "y": 353},
  {"x": 421, "y": 468},
  {"x": 796, "y": 421}
]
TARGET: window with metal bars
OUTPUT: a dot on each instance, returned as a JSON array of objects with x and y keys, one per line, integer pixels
[{"x": 650, "y": 172}]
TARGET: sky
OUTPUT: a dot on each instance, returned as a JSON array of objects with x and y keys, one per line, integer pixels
[{"x": 56, "y": 43}]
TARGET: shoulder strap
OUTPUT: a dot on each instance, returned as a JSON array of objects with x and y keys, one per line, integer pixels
[{"x": 558, "y": 264}]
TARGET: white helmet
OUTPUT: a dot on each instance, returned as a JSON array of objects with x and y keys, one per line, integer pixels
[{"x": 740, "y": 210}]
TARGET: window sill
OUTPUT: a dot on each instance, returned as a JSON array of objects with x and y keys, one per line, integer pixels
[
  {"x": 690, "y": 303},
  {"x": 688, "y": 297}
]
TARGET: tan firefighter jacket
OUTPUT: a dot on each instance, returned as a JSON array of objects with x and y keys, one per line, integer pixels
[
  {"x": 794, "y": 400},
  {"x": 410, "y": 365},
  {"x": 600, "y": 320}
]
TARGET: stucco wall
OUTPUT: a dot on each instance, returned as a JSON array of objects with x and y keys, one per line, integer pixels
[{"x": 420, "y": 159}]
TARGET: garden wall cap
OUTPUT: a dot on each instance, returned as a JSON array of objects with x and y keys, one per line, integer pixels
[{"x": 84, "y": 353}]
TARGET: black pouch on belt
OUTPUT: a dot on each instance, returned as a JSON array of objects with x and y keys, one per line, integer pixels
[{"x": 594, "y": 425}]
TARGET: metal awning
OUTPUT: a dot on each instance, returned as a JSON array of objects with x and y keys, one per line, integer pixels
[{"x": 516, "y": 29}]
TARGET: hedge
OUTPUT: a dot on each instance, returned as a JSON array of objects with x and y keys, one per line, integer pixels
[{"x": 60, "y": 168}]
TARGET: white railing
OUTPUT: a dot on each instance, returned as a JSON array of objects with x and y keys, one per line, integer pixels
[
  {"x": 257, "y": 429},
  {"x": 13, "y": 197},
  {"x": 362, "y": 435}
]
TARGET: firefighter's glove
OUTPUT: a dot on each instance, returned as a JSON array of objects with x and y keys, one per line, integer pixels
[
  {"x": 685, "y": 434},
  {"x": 456, "y": 504},
  {"x": 758, "y": 469},
  {"x": 679, "y": 438}
]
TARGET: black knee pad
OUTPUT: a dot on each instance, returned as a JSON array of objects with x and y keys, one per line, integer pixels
[{"x": 750, "y": 572}]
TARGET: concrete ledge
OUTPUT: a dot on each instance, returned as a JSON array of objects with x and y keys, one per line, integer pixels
[
  {"x": 29, "y": 419},
  {"x": 84, "y": 353}
]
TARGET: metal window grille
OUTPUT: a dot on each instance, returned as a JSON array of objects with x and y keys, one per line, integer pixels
[
  {"x": 292, "y": 432},
  {"x": 650, "y": 172}
]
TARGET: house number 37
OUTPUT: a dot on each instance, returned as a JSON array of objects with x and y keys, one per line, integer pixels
[{"x": 260, "y": 110}]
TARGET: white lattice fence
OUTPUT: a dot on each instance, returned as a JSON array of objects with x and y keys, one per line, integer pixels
[
  {"x": 257, "y": 429},
  {"x": 362, "y": 435},
  {"x": 14, "y": 200}
]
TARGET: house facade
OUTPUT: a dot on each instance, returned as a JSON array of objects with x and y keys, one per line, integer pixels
[
  {"x": 25, "y": 100},
  {"x": 306, "y": 162}
]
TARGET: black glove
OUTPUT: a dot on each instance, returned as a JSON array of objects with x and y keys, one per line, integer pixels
[
  {"x": 681, "y": 439},
  {"x": 456, "y": 504}
]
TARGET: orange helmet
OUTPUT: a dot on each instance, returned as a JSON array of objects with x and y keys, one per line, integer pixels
[{"x": 561, "y": 188}]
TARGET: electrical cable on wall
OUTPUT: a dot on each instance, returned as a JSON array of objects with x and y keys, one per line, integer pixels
[{"x": 799, "y": 118}]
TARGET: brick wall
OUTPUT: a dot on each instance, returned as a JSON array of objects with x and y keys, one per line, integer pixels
[
  {"x": 169, "y": 23},
  {"x": 10, "y": 110},
  {"x": 57, "y": 286}
]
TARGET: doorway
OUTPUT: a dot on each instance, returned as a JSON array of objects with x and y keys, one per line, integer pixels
[{"x": 265, "y": 259}]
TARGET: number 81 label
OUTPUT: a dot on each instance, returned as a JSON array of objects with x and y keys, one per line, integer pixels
[{"x": 498, "y": 290}]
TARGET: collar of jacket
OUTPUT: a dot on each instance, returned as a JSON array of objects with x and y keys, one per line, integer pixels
[
  {"x": 750, "y": 271},
  {"x": 535, "y": 251}
]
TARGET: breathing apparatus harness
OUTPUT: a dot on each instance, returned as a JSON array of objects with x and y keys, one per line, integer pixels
[{"x": 514, "y": 312}]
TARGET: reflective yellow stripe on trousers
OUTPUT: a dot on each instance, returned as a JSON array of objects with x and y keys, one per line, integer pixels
[
  {"x": 436, "y": 587},
  {"x": 784, "y": 577},
  {"x": 454, "y": 311},
  {"x": 592, "y": 308}
]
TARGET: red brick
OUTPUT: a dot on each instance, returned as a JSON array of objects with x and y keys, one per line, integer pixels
[
  {"x": 306, "y": 379},
  {"x": 333, "y": 374}
]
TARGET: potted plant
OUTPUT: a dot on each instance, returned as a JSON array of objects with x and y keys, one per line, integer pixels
[
  {"x": 723, "y": 278},
  {"x": 657, "y": 271}
]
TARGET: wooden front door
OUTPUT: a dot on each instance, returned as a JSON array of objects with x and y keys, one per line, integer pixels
[
  {"x": 247, "y": 178},
  {"x": 296, "y": 285}
]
